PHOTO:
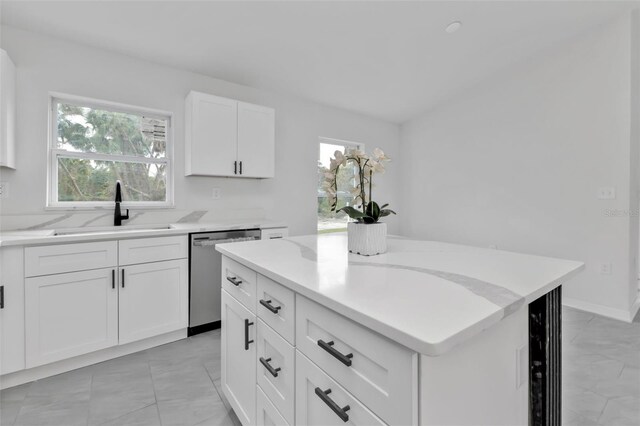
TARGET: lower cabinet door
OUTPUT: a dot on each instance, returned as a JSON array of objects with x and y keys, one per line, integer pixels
[
  {"x": 266, "y": 413},
  {"x": 12, "y": 344},
  {"x": 239, "y": 358},
  {"x": 70, "y": 314},
  {"x": 321, "y": 401},
  {"x": 275, "y": 368},
  {"x": 153, "y": 299}
]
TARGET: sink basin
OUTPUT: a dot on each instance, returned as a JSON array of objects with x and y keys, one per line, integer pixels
[{"x": 108, "y": 229}]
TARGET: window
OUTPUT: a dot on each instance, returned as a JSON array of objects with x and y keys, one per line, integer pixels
[
  {"x": 93, "y": 144},
  {"x": 329, "y": 221}
]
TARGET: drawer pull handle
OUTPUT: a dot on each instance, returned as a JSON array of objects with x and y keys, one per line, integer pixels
[
  {"x": 341, "y": 412},
  {"x": 113, "y": 278},
  {"x": 270, "y": 369},
  {"x": 234, "y": 280},
  {"x": 246, "y": 334},
  {"x": 267, "y": 304},
  {"x": 345, "y": 359}
]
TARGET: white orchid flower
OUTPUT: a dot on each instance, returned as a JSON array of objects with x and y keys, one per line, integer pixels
[{"x": 378, "y": 154}]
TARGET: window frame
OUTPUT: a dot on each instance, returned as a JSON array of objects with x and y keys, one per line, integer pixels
[
  {"x": 53, "y": 153},
  {"x": 346, "y": 144}
]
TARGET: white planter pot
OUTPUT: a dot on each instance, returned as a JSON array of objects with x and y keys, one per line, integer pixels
[{"x": 367, "y": 239}]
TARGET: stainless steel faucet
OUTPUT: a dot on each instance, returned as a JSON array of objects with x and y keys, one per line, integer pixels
[{"x": 117, "y": 216}]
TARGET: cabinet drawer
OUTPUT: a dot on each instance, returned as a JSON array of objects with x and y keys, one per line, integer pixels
[
  {"x": 276, "y": 356},
  {"x": 276, "y": 307},
  {"x": 266, "y": 412},
  {"x": 240, "y": 282},
  {"x": 382, "y": 374},
  {"x": 155, "y": 249},
  {"x": 312, "y": 409},
  {"x": 60, "y": 258},
  {"x": 274, "y": 233}
]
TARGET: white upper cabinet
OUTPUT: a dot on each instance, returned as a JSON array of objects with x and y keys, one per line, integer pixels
[
  {"x": 7, "y": 111},
  {"x": 225, "y": 137},
  {"x": 256, "y": 141}
]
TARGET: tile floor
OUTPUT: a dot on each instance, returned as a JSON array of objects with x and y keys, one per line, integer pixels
[
  {"x": 601, "y": 370},
  {"x": 179, "y": 383},
  {"x": 174, "y": 384}
]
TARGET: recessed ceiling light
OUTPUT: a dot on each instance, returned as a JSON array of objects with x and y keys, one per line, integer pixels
[{"x": 453, "y": 27}]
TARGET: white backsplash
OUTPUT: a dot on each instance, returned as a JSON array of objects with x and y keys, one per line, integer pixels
[{"x": 79, "y": 219}]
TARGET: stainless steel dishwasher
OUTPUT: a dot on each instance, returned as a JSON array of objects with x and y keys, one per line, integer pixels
[{"x": 206, "y": 276}]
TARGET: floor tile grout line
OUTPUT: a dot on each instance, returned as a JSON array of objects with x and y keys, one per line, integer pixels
[{"x": 126, "y": 414}]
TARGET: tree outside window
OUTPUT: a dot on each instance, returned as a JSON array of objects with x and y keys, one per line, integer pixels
[{"x": 93, "y": 146}]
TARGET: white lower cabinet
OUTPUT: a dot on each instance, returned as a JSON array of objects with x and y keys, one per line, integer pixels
[
  {"x": 321, "y": 401},
  {"x": 11, "y": 309},
  {"x": 70, "y": 314},
  {"x": 266, "y": 412},
  {"x": 153, "y": 299},
  {"x": 69, "y": 311},
  {"x": 276, "y": 369},
  {"x": 239, "y": 358}
]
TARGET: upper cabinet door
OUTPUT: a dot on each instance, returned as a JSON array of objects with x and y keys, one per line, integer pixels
[
  {"x": 7, "y": 111},
  {"x": 256, "y": 140},
  {"x": 211, "y": 135}
]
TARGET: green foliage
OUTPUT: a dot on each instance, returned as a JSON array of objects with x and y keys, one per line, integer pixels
[
  {"x": 372, "y": 212},
  {"x": 98, "y": 131}
]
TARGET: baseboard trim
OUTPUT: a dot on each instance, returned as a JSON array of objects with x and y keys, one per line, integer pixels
[
  {"x": 605, "y": 311},
  {"x": 47, "y": 370}
]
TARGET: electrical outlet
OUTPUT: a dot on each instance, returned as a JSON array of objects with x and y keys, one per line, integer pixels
[
  {"x": 605, "y": 268},
  {"x": 216, "y": 193},
  {"x": 4, "y": 190},
  {"x": 606, "y": 193}
]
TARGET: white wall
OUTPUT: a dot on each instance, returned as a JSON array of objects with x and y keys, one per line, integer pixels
[
  {"x": 517, "y": 162},
  {"x": 45, "y": 64}
]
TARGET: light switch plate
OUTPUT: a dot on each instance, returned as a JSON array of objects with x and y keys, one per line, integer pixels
[{"x": 606, "y": 193}]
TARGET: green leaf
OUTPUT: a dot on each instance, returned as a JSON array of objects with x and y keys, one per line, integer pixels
[
  {"x": 386, "y": 212},
  {"x": 373, "y": 210},
  {"x": 352, "y": 212},
  {"x": 383, "y": 206}
]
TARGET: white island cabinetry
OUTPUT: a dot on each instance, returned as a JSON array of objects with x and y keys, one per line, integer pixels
[{"x": 425, "y": 334}]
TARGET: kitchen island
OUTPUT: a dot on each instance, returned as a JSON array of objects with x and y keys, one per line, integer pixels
[{"x": 429, "y": 333}]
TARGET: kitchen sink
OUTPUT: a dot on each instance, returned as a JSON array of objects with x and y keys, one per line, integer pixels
[{"x": 108, "y": 229}]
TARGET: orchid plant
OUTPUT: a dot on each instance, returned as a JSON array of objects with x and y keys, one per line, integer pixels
[{"x": 366, "y": 167}]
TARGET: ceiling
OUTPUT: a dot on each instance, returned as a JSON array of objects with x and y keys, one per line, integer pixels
[{"x": 391, "y": 60}]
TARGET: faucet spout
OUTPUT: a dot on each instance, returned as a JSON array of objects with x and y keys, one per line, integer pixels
[{"x": 117, "y": 214}]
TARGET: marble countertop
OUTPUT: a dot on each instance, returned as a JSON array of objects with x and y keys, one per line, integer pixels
[
  {"x": 74, "y": 235},
  {"x": 426, "y": 295}
]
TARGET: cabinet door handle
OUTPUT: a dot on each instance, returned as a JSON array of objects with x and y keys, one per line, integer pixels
[
  {"x": 113, "y": 278},
  {"x": 345, "y": 359},
  {"x": 122, "y": 277},
  {"x": 270, "y": 369},
  {"x": 234, "y": 280},
  {"x": 241, "y": 167},
  {"x": 267, "y": 304},
  {"x": 235, "y": 167},
  {"x": 1, "y": 297},
  {"x": 341, "y": 412},
  {"x": 246, "y": 334}
]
